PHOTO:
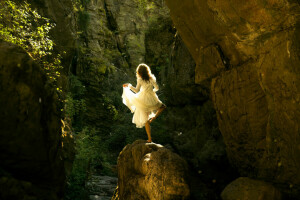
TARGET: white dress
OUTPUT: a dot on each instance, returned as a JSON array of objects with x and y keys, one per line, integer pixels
[{"x": 143, "y": 101}]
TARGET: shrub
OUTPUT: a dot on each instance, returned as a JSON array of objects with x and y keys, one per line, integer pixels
[{"x": 21, "y": 25}]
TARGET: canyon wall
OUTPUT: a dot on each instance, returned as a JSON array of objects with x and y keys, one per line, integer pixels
[
  {"x": 35, "y": 158},
  {"x": 250, "y": 53},
  {"x": 36, "y": 154}
]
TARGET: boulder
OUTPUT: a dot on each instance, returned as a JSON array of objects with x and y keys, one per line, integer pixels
[
  {"x": 150, "y": 171},
  {"x": 250, "y": 189},
  {"x": 252, "y": 52}
]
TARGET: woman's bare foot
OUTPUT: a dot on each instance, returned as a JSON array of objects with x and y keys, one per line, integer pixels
[{"x": 149, "y": 141}]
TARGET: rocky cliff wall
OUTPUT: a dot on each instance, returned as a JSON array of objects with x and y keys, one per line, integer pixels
[
  {"x": 36, "y": 155},
  {"x": 250, "y": 51},
  {"x": 34, "y": 158}
]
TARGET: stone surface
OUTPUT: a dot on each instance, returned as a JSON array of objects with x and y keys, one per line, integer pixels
[
  {"x": 246, "y": 188},
  {"x": 130, "y": 26},
  {"x": 32, "y": 153},
  {"x": 150, "y": 171},
  {"x": 101, "y": 187},
  {"x": 252, "y": 50}
]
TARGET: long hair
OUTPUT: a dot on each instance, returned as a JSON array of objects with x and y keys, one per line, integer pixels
[{"x": 144, "y": 72}]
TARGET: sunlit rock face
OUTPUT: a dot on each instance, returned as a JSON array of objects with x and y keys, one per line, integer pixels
[
  {"x": 250, "y": 51},
  {"x": 112, "y": 33},
  {"x": 150, "y": 171},
  {"x": 246, "y": 188},
  {"x": 32, "y": 158},
  {"x": 129, "y": 24}
]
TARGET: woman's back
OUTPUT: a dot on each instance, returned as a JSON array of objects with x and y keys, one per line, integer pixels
[{"x": 146, "y": 86}]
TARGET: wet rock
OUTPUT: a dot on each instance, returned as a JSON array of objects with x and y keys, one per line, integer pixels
[
  {"x": 101, "y": 187},
  {"x": 246, "y": 188},
  {"x": 150, "y": 171}
]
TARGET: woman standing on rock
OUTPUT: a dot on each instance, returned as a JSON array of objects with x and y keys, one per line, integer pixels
[{"x": 143, "y": 101}]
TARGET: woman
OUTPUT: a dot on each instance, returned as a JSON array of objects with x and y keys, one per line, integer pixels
[{"x": 143, "y": 101}]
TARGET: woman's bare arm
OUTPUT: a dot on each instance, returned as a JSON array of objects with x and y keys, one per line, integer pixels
[{"x": 137, "y": 88}]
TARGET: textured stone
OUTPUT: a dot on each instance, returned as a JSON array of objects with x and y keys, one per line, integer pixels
[
  {"x": 32, "y": 158},
  {"x": 179, "y": 76},
  {"x": 246, "y": 188},
  {"x": 256, "y": 92},
  {"x": 114, "y": 34},
  {"x": 131, "y": 26},
  {"x": 101, "y": 187},
  {"x": 209, "y": 65},
  {"x": 150, "y": 171},
  {"x": 245, "y": 108}
]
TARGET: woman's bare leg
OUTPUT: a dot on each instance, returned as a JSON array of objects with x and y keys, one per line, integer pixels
[
  {"x": 158, "y": 113},
  {"x": 148, "y": 130}
]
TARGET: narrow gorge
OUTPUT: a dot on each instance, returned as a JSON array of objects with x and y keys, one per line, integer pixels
[{"x": 228, "y": 72}]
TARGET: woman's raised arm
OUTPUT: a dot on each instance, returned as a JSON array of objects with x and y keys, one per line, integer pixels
[{"x": 137, "y": 88}]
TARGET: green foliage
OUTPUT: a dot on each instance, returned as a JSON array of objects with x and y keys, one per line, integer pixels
[
  {"x": 142, "y": 3},
  {"x": 83, "y": 16},
  {"x": 144, "y": 6},
  {"x": 92, "y": 155},
  {"x": 21, "y": 25},
  {"x": 87, "y": 154},
  {"x": 87, "y": 146},
  {"x": 74, "y": 103},
  {"x": 74, "y": 106},
  {"x": 110, "y": 107},
  {"x": 25, "y": 27}
]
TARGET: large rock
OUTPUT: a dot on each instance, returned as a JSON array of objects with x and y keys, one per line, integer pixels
[
  {"x": 150, "y": 171},
  {"x": 247, "y": 188},
  {"x": 31, "y": 149},
  {"x": 252, "y": 51}
]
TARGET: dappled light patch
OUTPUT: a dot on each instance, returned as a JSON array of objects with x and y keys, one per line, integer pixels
[{"x": 25, "y": 27}]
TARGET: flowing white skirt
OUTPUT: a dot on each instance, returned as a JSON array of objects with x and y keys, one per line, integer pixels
[{"x": 143, "y": 104}]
